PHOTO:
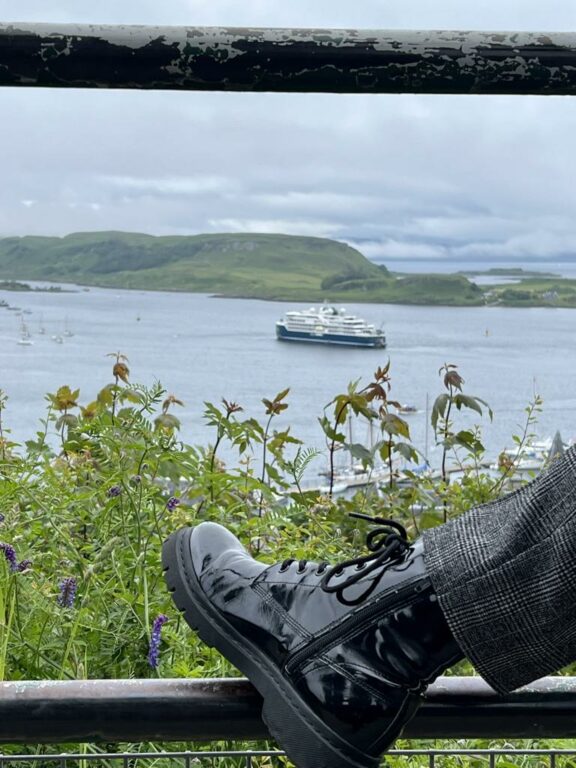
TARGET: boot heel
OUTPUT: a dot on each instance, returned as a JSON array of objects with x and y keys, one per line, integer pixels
[{"x": 307, "y": 747}]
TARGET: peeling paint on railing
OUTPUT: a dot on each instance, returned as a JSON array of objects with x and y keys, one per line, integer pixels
[{"x": 291, "y": 60}]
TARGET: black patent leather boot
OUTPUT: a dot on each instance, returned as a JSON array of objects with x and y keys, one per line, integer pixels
[{"x": 341, "y": 655}]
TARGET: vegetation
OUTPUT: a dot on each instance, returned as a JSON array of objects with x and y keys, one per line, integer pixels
[
  {"x": 277, "y": 267},
  {"x": 88, "y": 501},
  {"x": 13, "y": 285},
  {"x": 535, "y": 292}
]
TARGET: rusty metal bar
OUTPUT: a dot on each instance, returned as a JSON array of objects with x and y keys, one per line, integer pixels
[
  {"x": 290, "y": 60},
  {"x": 206, "y": 710}
]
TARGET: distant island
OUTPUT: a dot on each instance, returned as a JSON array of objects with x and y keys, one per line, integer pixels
[
  {"x": 259, "y": 266},
  {"x": 506, "y": 272}
]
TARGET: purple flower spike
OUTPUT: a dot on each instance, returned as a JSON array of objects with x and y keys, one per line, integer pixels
[
  {"x": 10, "y": 555},
  {"x": 172, "y": 503},
  {"x": 24, "y": 565},
  {"x": 2, "y": 518},
  {"x": 113, "y": 491},
  {"x": 68, "y": 587},
  {"x": 154, "y": 649}
]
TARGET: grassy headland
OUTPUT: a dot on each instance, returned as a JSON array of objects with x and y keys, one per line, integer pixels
[{"x": 279, "y": 267}]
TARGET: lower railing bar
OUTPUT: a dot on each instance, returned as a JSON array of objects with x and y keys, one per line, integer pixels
[
  {"x": 209, "y": 755},
  {"x": 33, "y": 712}
]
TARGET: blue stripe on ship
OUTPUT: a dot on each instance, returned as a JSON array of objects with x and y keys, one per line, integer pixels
[{"x": 330, "y": 338}]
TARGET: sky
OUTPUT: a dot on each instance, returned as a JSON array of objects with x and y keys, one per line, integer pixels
[{"x": 402, "y": 177}]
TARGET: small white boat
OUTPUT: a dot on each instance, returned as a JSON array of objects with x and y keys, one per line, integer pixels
[
  {"x": 408, "y": 410},
  {"x": 58, "y": 339}
]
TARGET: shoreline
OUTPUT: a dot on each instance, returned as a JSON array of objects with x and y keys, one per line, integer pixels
[{"x": 557, "y": 292}]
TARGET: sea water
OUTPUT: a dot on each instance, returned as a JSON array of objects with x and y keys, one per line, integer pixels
[{"x": 203, "y": 349}]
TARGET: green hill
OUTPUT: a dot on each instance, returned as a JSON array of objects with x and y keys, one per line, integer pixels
[
  {"x": 263, "y": 266},
  {"x": 260, "y": 266}
]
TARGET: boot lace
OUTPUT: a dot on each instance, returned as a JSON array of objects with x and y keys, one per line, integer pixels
[{"x": 387, "y": 544}]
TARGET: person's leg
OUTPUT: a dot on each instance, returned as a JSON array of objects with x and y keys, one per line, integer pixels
[{"x": 505, "y": 575}]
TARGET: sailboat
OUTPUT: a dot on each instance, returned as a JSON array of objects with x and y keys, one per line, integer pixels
[
  {"x": 356, "y": 476},
  {"x": 67, "y": 332},
  {"x": 25, "y": 339}
]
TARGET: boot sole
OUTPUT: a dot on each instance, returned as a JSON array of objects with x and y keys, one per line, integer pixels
[{"x": 306, "y": 739}]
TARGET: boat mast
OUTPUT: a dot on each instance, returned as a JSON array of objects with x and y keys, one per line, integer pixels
[{"x": 426, "y": 430}]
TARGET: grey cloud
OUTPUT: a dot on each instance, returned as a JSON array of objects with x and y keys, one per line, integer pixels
[
  {"x": 442, "y": 14},
  {"x": 459, "y": 177}
]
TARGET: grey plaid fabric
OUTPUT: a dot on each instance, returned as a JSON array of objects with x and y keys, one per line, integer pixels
[{"x": 505, "y": 576}]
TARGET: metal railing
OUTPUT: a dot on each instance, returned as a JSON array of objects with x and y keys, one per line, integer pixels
[
  {"x": 289, "y": 60},
  {"x": 106, "y": 715},
  {"x": 416, "y": 758},
  {"x": 104, "y": 711}
]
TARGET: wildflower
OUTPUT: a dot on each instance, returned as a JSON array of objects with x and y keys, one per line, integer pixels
[
  {"x": 154, "y": 649},
  {"x": 24, "y": 565},
  {"x": 113, "y": 491},
  {"x": 2, "y": 518},
  {"x": 136, "y": 479},
  {"x": 172, "y": 503},
  {"x": 10, "y": 555},
  {"x": 68, "y": 587}
]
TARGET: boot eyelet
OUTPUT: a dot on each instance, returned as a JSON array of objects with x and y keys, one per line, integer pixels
[
  {"x": 360, "y": 567},
  {"x": 283, "y": 568},
  {"x": 301, "y": 570}
]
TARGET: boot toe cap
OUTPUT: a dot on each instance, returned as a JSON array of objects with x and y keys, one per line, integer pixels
[{"x": 208, "y": 542}]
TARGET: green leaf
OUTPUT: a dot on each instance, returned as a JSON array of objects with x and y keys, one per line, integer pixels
[
  {"x": 359, "y": 451},
  {"x": 167, "y": 421},
  {"x": 106, "y": 395},
  {"x": 468, "y": 440},
  {"x": 407, "y": 451},
  {"x": 394, "y": 425},
  {"x": 274, "y": 475},
  {"x": 467, "y": 402},
  {"x": 439, "y": 409},
  {"x": 131, "y": 395},
  {"x": 330, "y": 432},
  {"x": 430, "y": 519},
  {"x": 384, "y": 451},
  {"x": 68, "y": 420}
]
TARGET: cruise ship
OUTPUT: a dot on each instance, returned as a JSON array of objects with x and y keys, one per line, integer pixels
[{"x": 329, "y": 325}]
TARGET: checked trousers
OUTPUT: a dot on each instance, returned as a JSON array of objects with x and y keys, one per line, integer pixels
[{"x": 505, "y": 577}]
